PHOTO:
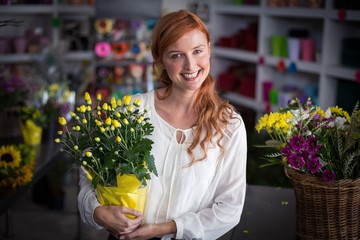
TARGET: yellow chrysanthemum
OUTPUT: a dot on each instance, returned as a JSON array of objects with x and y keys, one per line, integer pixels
[
  {"x": 87, "y": 96},
  {"x": 137, "y": 102},
  {"x": 81, "y": 109},
  {"x": 53, "y": 88},
  {"x": 10, "y": 156},
  {"x": 262, "y": 123},
  {"x": 116, "y": 123},
  {"x": 119, "y": 102},
  {"x": 98, "y": 123},
  {"x": 113, "y": 102},
  {"x": 320, "y": 111},
  {"x": 62, "y": 121},
  {"x": 127, "y": 100},
  {"x": 339, "y": 112},
  {"x": 274, "y": 122},
  {"x": 99, "y": 97},
  {"x": 140, "y": 119},
  {"x": 105, "y": 106},
  {"x": 108, "y": 121}
]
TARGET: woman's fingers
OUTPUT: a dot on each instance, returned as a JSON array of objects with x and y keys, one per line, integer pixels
[{"x": 130, "y": 211}]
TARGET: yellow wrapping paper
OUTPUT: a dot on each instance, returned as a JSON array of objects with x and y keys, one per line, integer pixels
[
  {"x": 31, "y": 132},
  {"x": 128, "y": 193}
]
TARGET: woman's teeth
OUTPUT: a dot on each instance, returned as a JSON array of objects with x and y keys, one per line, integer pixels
[{"x": 190, "y": 75}]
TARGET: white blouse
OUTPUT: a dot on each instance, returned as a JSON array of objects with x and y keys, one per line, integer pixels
[{"x": 206, "y": 199}]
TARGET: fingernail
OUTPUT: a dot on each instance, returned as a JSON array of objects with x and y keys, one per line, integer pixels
[{"x": 121, "y": 237}]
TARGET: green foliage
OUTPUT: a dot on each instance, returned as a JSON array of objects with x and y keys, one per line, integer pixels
[
  {"x": 110, "y": 139},
  {"x": 314, "y": 141}
]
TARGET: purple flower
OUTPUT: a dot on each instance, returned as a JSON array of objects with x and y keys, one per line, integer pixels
[
  {"x": 285, "y": 150},
  {"x": 311, "y": 144},
  {"x": 295, "y": 161},
  {"x": 329, "y": 176},
  {"x": 313, "y": 165},
  {"x": 296, "y": 142}
]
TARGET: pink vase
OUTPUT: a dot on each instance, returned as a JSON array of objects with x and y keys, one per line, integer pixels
[
  {"x": 307, "y": 49},
  {"x": 20, "y": 44}
]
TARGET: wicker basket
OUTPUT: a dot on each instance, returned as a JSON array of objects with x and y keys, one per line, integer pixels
[{"x": 326, "y": 211}]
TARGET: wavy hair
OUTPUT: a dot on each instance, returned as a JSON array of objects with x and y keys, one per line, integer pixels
[{"x": 213, "y": 112}]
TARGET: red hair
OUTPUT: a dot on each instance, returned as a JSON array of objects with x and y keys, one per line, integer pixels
[{"x": 213, "y": 112}]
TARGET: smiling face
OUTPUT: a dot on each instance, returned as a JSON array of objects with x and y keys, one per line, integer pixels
[{"x": 187, "y": 61}]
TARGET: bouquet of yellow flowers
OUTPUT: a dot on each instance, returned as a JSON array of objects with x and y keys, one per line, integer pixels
[
  {"x": 110, "y": 142},
  {"x": 317, "y": 142},
  {"x": 17, "y": 163}
]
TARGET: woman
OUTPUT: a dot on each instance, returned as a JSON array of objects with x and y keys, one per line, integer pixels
[{"x": 199, "y": 147}]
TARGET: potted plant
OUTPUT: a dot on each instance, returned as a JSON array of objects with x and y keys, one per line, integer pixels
[
  {"x": 320, "y": 152},
  {"x": 110, "y": 142}
]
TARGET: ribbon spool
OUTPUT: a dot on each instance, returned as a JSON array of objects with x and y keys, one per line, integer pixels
[
  {"x": 119, "y": 49},
  {"x": 102, "y": 49},
  {"x": 103, "y": 25},
  {"x": 103, "y": 72},
  {"x": 136, "y": 70},
  {"x": 136, "y": 24},
  {"x": 120, "y": 25},
  {"x": 138, "y": 50},
  {"x": 119, "y": 73}
]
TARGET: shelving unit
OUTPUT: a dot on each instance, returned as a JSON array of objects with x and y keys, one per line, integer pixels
[
  {"x": 323, "y": 24},
  {"x": 42, "y": 15},
  {"x": 122, "y": 36}
]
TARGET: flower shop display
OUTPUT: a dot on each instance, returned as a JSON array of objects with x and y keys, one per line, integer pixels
[
  {"x": 320, "y": 152},
  {"x": 110, "y": 142},
  {"x": 17, "y": 163}
]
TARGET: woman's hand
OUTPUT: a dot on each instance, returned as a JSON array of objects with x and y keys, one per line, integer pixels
[
  {"x": 147, "y": 231},
  {"x": 113, "y": 218}
]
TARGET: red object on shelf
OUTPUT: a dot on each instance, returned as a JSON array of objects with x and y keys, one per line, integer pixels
[
  {"x": 280, "y": 66},
  {"x": 247, "y": 85},
  {"x": 342, "y": 14},
  {"x": 226, "y": 81},
  {"x": 357, "y": 76},
  {"x": 245, "y": 39}
]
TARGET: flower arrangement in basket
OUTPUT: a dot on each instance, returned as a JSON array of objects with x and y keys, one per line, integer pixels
[
  {"x": 111, "y": 144},
  {"x": 320, "y": 151},
  {"x": 17, "y": 163}
]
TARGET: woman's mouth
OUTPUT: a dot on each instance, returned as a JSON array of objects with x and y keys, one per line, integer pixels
[{"x": 190, "y": 76}]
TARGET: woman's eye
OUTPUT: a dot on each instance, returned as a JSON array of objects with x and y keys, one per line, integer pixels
[
  {"x": 198, "y": 51},
  {"x": 176, "y": 56}
]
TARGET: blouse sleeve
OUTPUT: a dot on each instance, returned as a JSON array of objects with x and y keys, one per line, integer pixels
[
  {"x": 87, "y": 200},
  {"x": 226, "y": 198}
]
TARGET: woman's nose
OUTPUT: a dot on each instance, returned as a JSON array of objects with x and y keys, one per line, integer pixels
[{"x": 189, "y": 62}]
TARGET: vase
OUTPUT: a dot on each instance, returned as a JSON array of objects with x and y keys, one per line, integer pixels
[
  {"x": 326, "y": 211},
  {"x": 129, "y": 192},
  {"x": 31, "y": 133}
]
